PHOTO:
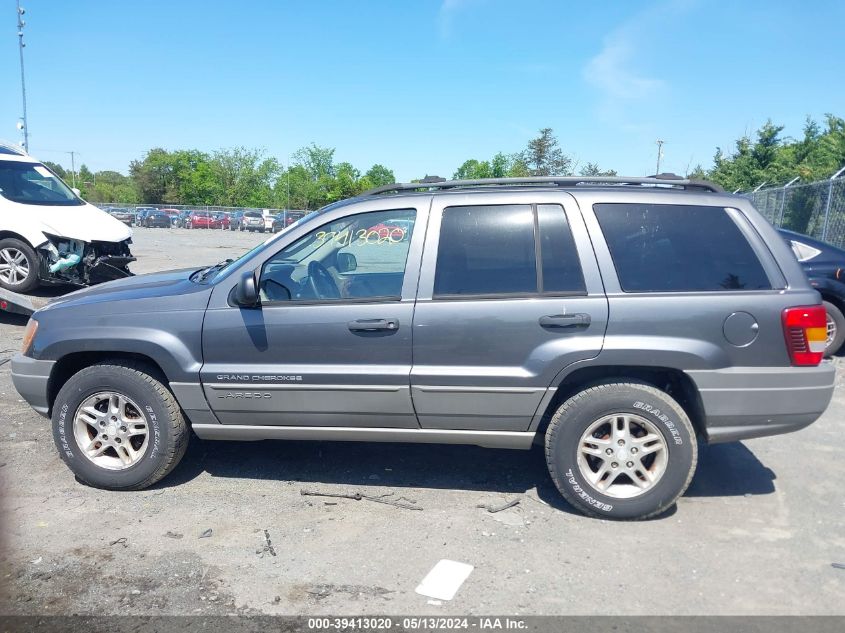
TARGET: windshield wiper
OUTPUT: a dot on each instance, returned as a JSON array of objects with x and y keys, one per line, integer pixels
[{"x": 205, "y": 273}]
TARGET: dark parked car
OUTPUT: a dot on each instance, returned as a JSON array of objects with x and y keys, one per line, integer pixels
[
  {"x": 283, "y": 220},
  {"x": 824, "y": 265},
  {"x": 181, "y": 220},
  {"x": 156, "y": 218},
  {"x": 615, "y": 321}
]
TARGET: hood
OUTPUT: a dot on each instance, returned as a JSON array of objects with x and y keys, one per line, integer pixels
[
  {"x": 86, "y": 222},
  {"x": 139, "y": 293}
]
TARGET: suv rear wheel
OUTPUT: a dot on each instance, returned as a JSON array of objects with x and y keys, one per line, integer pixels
[
  {"x": 18, "y": 266},
  {"x": 118, "y": 427},
  {"x": 621, "y": 451}
]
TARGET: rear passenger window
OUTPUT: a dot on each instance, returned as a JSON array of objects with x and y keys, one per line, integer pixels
[
  {"x": 486, "y": 250},
  {"x": 492, "y": 250},
  {"x": 678, "y": 248}
]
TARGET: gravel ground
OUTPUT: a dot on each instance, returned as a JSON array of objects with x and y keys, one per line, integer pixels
[{"x": 755, "y": 534}]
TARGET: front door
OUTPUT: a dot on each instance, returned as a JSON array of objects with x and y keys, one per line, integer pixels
[
  {"x": 330, "y": 344},
  {"x": 506, "y": 302}
]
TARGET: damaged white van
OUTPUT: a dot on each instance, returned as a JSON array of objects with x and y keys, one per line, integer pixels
[{"x": 49, "y": 235}]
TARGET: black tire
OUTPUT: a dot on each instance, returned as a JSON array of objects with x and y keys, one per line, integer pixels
[
  {"x": 578, "y": 413},
  {"x": 167, "y": 429},
  {"x": 838, "y": 319},
  {"x": 31, "y": 280}
]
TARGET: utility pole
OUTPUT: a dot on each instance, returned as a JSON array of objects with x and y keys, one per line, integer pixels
[
  {"x": 659, "y": 154},
  {"x": 21, "y": 45},
  {"x": 73, "y": 167}
]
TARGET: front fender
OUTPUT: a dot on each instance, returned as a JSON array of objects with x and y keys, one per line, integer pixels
[{"x": 177, "y": 351}]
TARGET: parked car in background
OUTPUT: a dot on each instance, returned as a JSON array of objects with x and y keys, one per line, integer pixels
[
  {"x": 269, "y": 216},
  {"x": 285, "y": 219},
  {"x": 156, "y": 218},
  {"x": 202, "y": 220},
  {"x": 181, "y": 219},
  {"x": 393, "y": 230},
  {"x": 824, "y": 265},
  {"x": 173, "y": 213},
  {"x": 252, "y": 221},
  {"x": 222, "y": 221},
  {"x": 127, "y": 216},
  {"x": 235, "y": 220},
  {"x": 48, "y": 234}
]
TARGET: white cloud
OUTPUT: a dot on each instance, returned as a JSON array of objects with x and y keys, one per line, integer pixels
[
  {"x": 616, "y": 71},
  {"x": 610, "y": 71},
  {"x": 446, "y": 15}
]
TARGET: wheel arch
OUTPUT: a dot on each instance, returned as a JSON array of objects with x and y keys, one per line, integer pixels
[
  {"x": 674, "y": 382},
  {"x": 33, "y": 244},
  {"x": 74, "y": 362}
]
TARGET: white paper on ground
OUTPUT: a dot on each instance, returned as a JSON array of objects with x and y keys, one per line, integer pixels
[{"x": 444, "y": 579}]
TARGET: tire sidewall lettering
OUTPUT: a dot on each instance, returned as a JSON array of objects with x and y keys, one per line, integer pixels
[
  {"x": 579, "y": 490},
  {"x": 62, "y": 431},
  {"x": 662, "y": 418}
]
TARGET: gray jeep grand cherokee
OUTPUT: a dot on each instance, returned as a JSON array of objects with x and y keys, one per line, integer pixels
[{"x": 611, "y": 319}]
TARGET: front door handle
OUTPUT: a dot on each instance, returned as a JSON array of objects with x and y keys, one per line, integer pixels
[
  {"x": 373, "y": 325},
  {"x": 565, "y": 320}
]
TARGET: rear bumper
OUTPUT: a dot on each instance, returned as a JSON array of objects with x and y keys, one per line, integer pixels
[
  {"x": 30, "y": 378},
  {"x": 745, "y": 402}
]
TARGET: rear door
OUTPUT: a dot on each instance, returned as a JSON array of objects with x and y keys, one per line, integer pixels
[{"x": 509, "y": 295}]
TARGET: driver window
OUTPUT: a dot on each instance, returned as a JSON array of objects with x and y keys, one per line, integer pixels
[{"x": 361, "y": 256}]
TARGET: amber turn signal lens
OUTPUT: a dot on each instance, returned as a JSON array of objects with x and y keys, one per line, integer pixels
[{"x": 29, "y": 336}]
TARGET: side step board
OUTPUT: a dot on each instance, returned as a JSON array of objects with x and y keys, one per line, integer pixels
[{"x": 488, "y": 439}]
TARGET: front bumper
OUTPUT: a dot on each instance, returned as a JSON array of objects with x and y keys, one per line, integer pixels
[
  {"x": 31, "y": 378},
  {"x": 745, "y": 402}
]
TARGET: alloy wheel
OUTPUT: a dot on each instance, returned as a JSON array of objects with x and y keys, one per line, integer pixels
[
  {"x": 111, "y": 430},
  {"x": 622, "y": 455},
  {"x": 14, "y": 267}
]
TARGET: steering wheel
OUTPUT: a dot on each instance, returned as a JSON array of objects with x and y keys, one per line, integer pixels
[{"x": 321, "y": 282}]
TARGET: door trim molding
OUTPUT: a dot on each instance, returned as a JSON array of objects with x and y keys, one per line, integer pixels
[{"x": 488, "y": 439}]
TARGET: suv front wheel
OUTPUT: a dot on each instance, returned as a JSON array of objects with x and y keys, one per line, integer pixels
[
  {"x": 118, "y": 427},
  {"x": 621, "y": 451}
]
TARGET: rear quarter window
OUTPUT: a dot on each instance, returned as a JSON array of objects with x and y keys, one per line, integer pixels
[{"x": 678, "y": 248}]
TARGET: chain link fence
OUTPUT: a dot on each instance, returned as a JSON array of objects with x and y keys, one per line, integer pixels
[{"x": 816, "y": 209}]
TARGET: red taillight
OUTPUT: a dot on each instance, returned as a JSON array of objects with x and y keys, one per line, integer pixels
[{"x": 805, "y": 329}]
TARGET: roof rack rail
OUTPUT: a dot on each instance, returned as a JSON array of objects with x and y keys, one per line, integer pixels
[{"x": 670, "y": 180}]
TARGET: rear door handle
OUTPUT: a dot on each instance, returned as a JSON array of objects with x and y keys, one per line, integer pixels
[
  {"x": 565, "y": 320},
  {"x": 373, "y": 325}
]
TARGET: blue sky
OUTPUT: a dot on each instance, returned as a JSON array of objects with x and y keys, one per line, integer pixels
[{"x": 418, "y": 86}]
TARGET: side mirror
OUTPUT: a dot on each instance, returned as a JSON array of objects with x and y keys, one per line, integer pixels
[
  {"x": 76, "y": 191},
  {"x": 346, "y": 262},
  {"x": 245, "y": 294}
]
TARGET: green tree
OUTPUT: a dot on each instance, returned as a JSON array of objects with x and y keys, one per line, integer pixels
[
  {"x": 473, "y": 170},
  {"x": 545, "y": 157},
  {"x": 379, "y": 175},
  {"x": 592, "y": 169},
  {"x": 58, "y": 169}
]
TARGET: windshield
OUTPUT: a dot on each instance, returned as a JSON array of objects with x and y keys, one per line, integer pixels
[{"x": 33, "y": 183}]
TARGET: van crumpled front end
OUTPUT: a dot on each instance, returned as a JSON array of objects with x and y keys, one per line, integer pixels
[{"x": 65, "y": 260}]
